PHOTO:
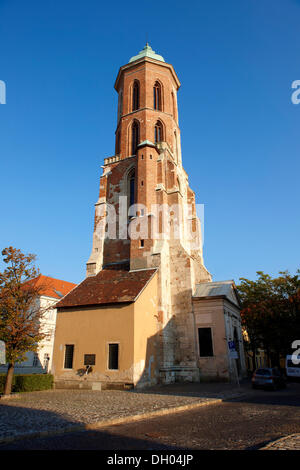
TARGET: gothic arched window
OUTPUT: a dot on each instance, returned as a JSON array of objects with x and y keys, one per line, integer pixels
[
  {"x": 158, "y": 132},
  {"x": 135, "y": 138},
  {"x": 157, "y": 96},
  {"x": 135, "y": 96}
]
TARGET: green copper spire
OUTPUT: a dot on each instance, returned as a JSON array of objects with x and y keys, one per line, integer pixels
[{"x": 147, "y": 52}]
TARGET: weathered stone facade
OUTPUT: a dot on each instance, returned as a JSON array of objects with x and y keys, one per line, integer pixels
[
  {"x": 159, "y": 180},
  {"x": 146, "y": 226}
]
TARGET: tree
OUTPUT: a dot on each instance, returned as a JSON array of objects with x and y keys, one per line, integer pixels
[
  {"x": 271, "y": 312},
  {"x": 20, "y": 311}
]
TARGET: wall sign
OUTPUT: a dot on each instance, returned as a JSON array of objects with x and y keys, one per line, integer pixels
[{"x": 89, "y": 359}]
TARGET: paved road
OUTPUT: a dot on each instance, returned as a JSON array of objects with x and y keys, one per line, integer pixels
[
  {"x": 55, "y": 410},
  {"x": 249, "y": 423}
]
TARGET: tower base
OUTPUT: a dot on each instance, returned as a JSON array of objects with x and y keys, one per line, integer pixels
[{"x": 174, "y": 374}]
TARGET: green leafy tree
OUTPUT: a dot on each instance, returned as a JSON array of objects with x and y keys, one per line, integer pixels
[
  {"x": 20, "y": 311},
  {"x": 271, "y": 312}
]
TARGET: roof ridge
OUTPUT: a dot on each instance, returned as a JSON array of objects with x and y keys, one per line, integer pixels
[
  {"x": 142, "y": 269},
  {"x": 54, "y": 279}
]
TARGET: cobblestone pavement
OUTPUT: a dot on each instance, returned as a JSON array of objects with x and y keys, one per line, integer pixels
[
  {"x": 291, "y": 442},
  {"x": 56, "y": 410},
  {"x": 254, "y": 421}
]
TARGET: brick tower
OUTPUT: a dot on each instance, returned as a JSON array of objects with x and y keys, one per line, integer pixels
[{"x": 145, "y": 216}]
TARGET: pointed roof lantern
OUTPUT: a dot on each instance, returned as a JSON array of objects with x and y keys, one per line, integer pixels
[{"x": 147, "y": 52}]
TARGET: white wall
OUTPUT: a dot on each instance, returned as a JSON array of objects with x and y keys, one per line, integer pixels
[{"x": 40, "y": 365}]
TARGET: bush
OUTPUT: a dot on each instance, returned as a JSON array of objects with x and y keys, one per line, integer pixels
[{"x": 28, "y": 382}]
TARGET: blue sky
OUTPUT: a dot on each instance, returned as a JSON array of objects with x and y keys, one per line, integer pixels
[{"x": 236, "y": 61}]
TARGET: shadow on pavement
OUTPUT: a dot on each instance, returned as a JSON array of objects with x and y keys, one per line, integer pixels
[
  {"x": 86, "y": 440},
  {"x": 16, "y": 421},
  {"x": 290, "y": 396},
  {"x": 262, "y": 444},
  {"x": 200, "y": 389}
]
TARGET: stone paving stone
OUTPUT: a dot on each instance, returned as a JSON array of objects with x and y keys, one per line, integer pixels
[
  {"x": 291, "y": 442},
  {"x": 54, "y": 410}
]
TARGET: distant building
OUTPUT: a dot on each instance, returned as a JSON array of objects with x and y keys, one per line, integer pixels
[
  {"x": 257, "y": 358},
  {"x": 41, "y": 361},
  {"x": 147, "y": 311}
]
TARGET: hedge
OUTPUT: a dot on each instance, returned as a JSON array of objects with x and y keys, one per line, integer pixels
[{"x": 28, "y": 382}]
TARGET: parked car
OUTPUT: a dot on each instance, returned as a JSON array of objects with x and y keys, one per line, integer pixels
[
  {"x": 292, "y": 369},
  {"x": 270, "y": 378}
]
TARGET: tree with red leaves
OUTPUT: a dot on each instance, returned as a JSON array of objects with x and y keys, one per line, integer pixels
[{"x": 20, "y": 311}]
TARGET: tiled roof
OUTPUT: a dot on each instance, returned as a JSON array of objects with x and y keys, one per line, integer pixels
[
  {"x": 51, "y": 287},
  {"x": 107, "y": 287}
]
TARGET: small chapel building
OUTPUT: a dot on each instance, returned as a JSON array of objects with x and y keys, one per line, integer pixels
[{"x": 147, "y": 311}]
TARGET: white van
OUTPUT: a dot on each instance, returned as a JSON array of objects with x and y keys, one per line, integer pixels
[{"x": 292, "y": 370}]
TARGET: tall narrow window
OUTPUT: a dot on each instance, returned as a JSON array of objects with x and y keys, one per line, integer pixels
[
  {"x": 120, "y": 105},
  {"x": 131, "y": 195},
  {"x": 113, "y": 356},
  {"x": 205, "y": 342},
  {"x": 46, "y": 361},
  {"x": 157, "y": 96},
  {"x": 69, "y": 353},
  {"x": 175, "y": 147},
  {"x": 158, "y": 132},
  {"x": 35, "y": 361},
  {"x": 135, "y": 96},
  {"x": 118, "y": 143},
  {"x": 174, "y": 105},
  {"x": 132, "y": 188},
  {"x": 134, "y": 137}
]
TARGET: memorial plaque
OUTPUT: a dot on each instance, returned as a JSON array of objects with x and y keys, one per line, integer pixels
[{"x": 89, "y": 359}]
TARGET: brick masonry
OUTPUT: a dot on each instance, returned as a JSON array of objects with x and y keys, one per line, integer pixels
[{"x": 159, "y": 179}]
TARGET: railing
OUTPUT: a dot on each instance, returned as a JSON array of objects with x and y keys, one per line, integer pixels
[{"x": 114, "y": 159}]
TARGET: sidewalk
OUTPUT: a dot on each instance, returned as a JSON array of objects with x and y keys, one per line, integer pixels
[{"x": 57, "y": 411}]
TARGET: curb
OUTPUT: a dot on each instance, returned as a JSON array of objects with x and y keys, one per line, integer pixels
[
  {"x": 116, "y": 421},
  {"x": 277, "y": 441},
  {"x": 9, "y": 397}
]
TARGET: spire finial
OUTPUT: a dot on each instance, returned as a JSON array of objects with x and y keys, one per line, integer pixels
[{"x": 147, "y": 52}]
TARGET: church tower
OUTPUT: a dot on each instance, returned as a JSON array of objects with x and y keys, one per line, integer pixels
[
  {"x": 145, "y": 216},
  {"x": 147, "y": 311}
]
